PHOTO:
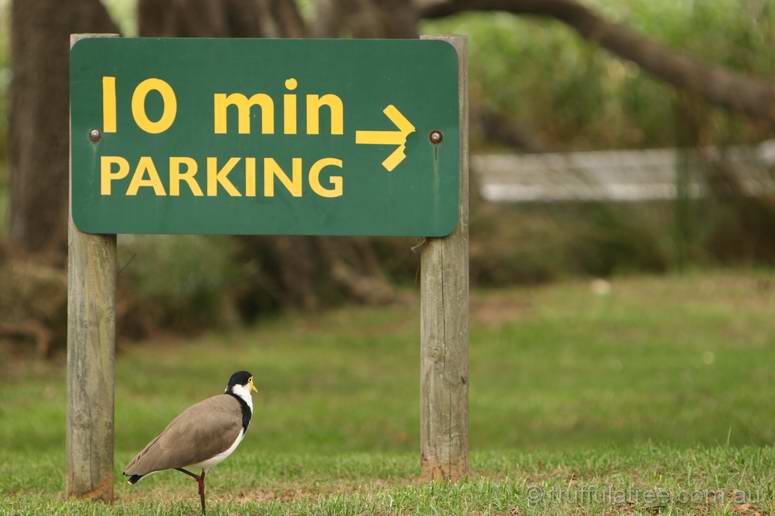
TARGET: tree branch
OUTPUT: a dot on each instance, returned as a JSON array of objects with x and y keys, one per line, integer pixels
[{"x": 715, "y": 84}]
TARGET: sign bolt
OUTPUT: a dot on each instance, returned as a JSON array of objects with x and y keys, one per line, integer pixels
[
  {"x": 95, "y": 135},
  {"x": 436, "y": 136}
]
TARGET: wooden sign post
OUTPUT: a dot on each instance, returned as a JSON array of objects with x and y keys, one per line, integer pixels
[
  {"x": 354, "y": 137},
  {"x": 91, "y": 348},
  {"x": 444, "y": 326}
]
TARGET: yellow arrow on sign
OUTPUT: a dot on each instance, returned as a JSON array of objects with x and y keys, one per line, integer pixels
[{"x": 405, "y": 128}]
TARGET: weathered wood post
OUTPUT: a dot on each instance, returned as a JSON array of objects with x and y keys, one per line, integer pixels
[
  {"x": 444, "y": 325},
  {"x": 91, "y": 296}
]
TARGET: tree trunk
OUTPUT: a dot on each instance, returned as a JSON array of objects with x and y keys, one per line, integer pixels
[
  {"x": 715, "y": 84},
  {"x": 367, "y": 18},
  {"x": 228, "y": 18},
  {"x": 39, "y": 132}
]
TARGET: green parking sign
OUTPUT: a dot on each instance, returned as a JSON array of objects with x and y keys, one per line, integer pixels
[{"x": 262, "y": 136}]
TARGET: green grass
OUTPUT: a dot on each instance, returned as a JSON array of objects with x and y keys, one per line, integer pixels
[{"x": 654, "y": 398}]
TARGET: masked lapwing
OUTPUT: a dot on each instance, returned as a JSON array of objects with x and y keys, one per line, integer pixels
[{"x": 201, "y": 437}]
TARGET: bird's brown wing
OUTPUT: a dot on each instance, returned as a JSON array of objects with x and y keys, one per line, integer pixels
[{"x": 199, "y": 433}]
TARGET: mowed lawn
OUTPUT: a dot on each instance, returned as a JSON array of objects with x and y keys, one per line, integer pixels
[{"x": 658, "y": 397}]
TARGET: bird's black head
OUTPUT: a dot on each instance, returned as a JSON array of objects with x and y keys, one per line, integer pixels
[{"x": 240, "y": 378}]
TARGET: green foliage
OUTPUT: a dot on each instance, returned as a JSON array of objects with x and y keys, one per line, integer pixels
[
  {"x": 661, "y": 383},
  {"x": 539, "y": 242},
  {"x": 178, "y": 282},
  {"x": 573, "y": 95},
  {"x": 124, "y": 13},
  {"x": 617, "y": 239},
  {"x": 535, "y": 243}
]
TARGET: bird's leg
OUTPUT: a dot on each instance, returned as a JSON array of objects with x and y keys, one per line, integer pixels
[
  {"x": 188, "y": 473},
  {"x": 201, "y": 481}
]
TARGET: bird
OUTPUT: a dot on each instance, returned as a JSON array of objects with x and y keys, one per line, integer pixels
[{"x": 202, "y": 436}]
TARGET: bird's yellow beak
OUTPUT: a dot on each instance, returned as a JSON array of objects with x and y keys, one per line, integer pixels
[{"x": 252, "y": 385}]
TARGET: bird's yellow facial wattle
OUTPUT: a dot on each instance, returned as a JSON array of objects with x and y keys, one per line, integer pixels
[{"x": 252, "y": 385}]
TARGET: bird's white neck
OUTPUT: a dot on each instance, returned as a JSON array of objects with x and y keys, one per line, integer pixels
[{"x": 243, "y": 392}]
